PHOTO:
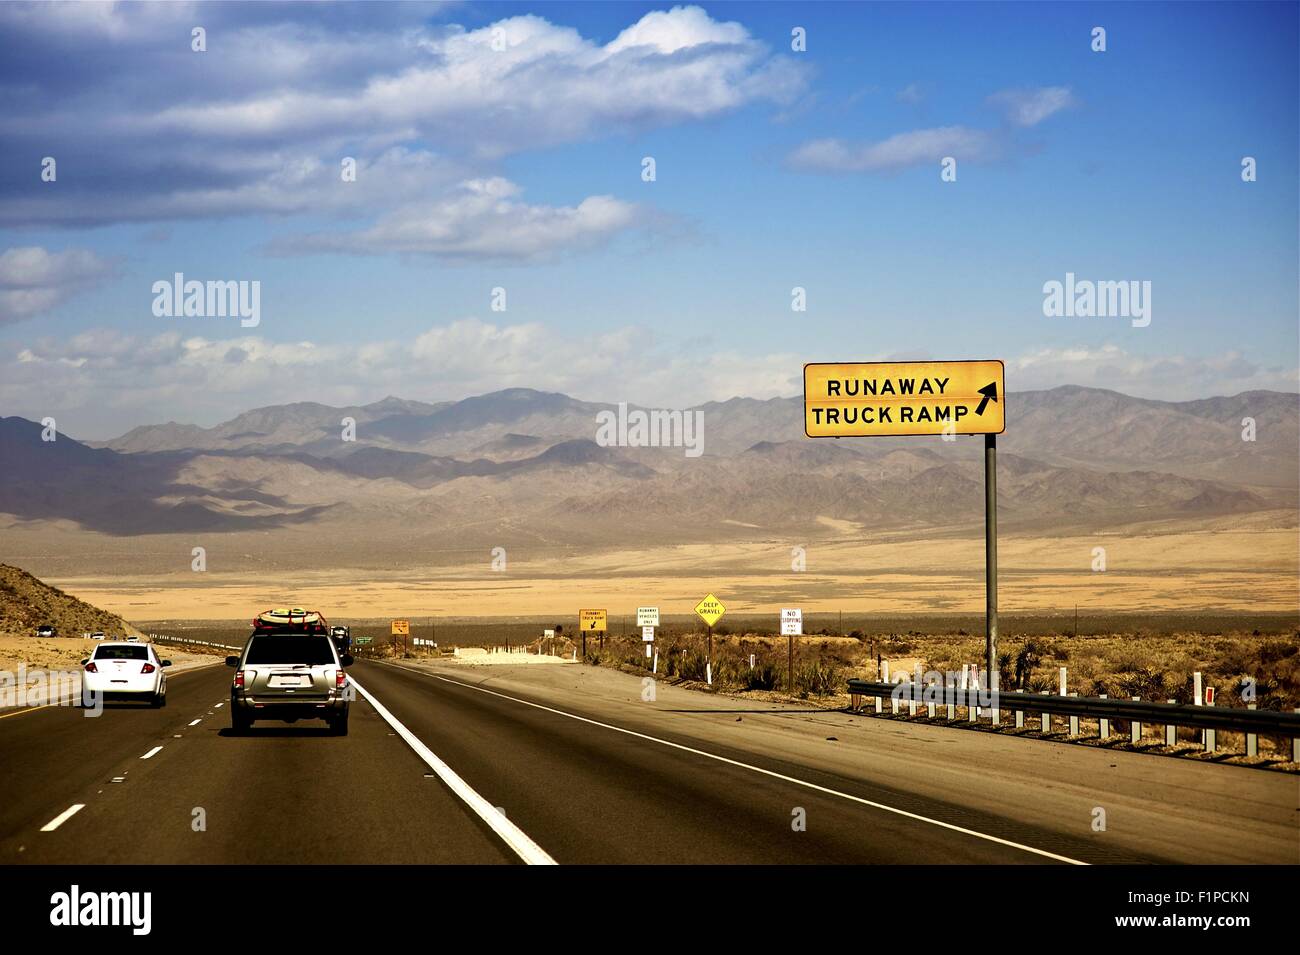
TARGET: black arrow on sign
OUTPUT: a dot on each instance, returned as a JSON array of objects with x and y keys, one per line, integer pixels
[{"x": 988, "y": 391}]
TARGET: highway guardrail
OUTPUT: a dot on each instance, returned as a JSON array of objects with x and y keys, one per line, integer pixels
[{"x": 1246, "y": 720}]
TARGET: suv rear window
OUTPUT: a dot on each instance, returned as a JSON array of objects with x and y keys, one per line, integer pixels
[
  {"x": 271, "y": 649},
  {"x": 121, "y": 653}
]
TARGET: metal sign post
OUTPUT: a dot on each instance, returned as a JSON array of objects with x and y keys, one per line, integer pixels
[{"x": 991, "y": 556}]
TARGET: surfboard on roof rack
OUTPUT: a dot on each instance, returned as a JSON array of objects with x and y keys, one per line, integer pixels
[{"x": 294, "y": 619}]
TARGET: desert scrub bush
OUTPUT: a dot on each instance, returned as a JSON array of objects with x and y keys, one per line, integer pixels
[
  {"x": 1148, "y": 683},
  {"x": 818, "y": 677},
  {"x": 690, "y": 665},
  {"x": 762, "y": 677}
]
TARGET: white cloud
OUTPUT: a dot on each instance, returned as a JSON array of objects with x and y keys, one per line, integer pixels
[
  {"x": 897, "y": 152},
  {"x": 910, "y": 95},
  {"x": 1165, "y": 377},
  {"x": 1029, "y": 107},
  {"x": 104, "y": 382},
  {"x": 172, "y": 136},
  {"x": 34, "y": 280},
  {"x": 481, "y": 219}
]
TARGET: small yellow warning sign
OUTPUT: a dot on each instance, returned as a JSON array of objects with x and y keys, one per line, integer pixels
[{"x": 710, "y": 609}]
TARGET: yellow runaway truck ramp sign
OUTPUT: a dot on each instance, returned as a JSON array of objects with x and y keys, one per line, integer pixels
[{"x": 867, "y": 399}]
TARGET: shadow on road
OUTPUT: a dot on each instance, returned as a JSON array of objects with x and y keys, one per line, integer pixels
[{"x": 270, "y": 731}]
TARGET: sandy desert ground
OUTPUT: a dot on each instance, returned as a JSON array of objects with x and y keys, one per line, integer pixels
[{"x": 1224, "y": 566}]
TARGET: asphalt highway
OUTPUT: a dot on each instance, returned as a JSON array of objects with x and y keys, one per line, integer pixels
[{"x": 463, "y": 766}]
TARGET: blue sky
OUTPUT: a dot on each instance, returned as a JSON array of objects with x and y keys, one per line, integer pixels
[{"x": 521, "y": 168}]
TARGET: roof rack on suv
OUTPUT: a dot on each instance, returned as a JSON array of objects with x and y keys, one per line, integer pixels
[{"x": 294, "y": 620}]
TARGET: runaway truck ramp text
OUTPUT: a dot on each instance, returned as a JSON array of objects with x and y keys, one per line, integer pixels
[{"x": 865, "y": 399}]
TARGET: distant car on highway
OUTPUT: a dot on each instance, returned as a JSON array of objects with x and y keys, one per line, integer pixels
[
  {"x": 97, "y": 635},
  {"x": 342, "y": 637},
  {"x": 289, "y": 676},
  {"x": 46, "y": 631},
  {"x": 126, "y": 671},
  {"x": 132, "y": 639}
]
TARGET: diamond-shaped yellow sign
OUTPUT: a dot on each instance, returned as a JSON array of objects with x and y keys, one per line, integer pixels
[{"x": 710, "y": 609}]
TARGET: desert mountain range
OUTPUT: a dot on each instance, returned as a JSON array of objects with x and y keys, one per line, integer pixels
[{"x": 524, "y": 465}]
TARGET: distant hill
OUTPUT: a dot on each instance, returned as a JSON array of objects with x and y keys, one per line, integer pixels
[
  {"x": 27, "y": 603},
  {"x": 1068, "y": 426},
  {"x": 523, "y": 466}
]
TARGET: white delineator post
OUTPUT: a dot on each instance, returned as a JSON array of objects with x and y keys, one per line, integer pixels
[
  {"x": 1252, "y": 740},
  {"x": 1074, "y": 722},
  {"x": 1020, "y": 714},
  {"x": 1103, "y": 724},
  {"x": 1171, "y": 732},
  {"x": 1135, "y": 729}
]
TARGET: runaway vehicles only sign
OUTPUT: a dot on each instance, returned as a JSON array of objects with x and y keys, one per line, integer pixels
[
  {"x": 647, "y": 616},
  {"x": 593, "y": 620},
  {"x": 866, "y": 399},
  {"x": 710, "y": 609}
]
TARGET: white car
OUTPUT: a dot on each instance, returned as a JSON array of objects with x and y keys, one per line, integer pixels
[{"x": 126, "y": 671}]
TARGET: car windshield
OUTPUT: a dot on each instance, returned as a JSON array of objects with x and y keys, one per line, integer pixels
[
  {"x": 289, "y": 648},
  {"x": 121, "y": 653}
]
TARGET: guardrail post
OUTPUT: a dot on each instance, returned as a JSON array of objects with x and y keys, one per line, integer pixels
[
  {"x": 1197, "y": 698},
  {"x": 1135, "y": 734},
  {"x": 1171, "y": 733},
  {"x": 930, "y": 704},
  {"x": 879, "y": 705},
  {"x": 1103, "y": 724},
  {"x": 1020, "y": 714},
  {"x": 911, "y": 698},
  {"x": 1295, "y": 745},
  {"x": 1045, "y": 722},
  {"x": 1074, "y": 721},
  {"x": 1252, "y": 739},
  {"x": 1210, "y": 737}
]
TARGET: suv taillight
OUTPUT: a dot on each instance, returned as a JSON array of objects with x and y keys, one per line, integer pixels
[
  {"x": 340, "y": 677},
  {"x": 147, "y": 668},
  {"x": 239, "y": 679},
  {"x": 91, "y": 668}
]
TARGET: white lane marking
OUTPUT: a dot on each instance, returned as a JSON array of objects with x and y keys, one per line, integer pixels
[
  {"x": 152, "y": 752},
  {"x": 63, "y": 817},
  {"x": 197, "y": 722},
  {"x": 774, "y": 775},
  {"x": 510, "y": 834},
  {"x": 218, "y": 705}
]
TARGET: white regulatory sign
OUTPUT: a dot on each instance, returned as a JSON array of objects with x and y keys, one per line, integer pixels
[
  {"x": 648, "y": 634},
  {"x": 647, "y": 616},
  {"x": 791, "y": 622}
]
